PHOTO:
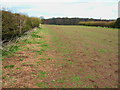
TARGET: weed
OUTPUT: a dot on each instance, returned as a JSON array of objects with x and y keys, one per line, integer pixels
[
  {"x": 21, "y": 59},
  {"x": 42, "y": 74},
  {"x": 11, "y": 50},
  {"x": 81, "y": 83},
  {"x": 40, "y": 42},
  {"x": 34, "y": 32},
  {"x": 53, "y": 81},
  {"x": 61, "y": 81},
  {"x": 41, "y": 84},
  {"x": 45, "y": 86},
  {"x": 64, "y": 85},
  {"x": 102, "y": 50},
  {"x": 89, "y": 77},
  {"x": 50, "y": 58},
  {"x": 27, "y": 41},
  {"x": 70, "y": 62},
  {"x": 95, "y": 85},
  {"x": 6, "y": 77},
  {"x": 81, "y": 69},
  {"x": 75, "y": 78},
  {"x": 87, "y": 87},
  {"x": 18, "y": 68},
  {"x": 39, "y": 51},
  {"x": 9, "y": 66},
  {"x": 44, "y": 45},
  {"x": 68, "y": 56},
  {"x": 32, "y": 73},
  {"x": 42, "y": 59},
  {"x": 36, "y": 36},
  {"x": 2, "y": 59},
  {"x": 107, "y": 87},
  {"x": 38, "y": 62}
]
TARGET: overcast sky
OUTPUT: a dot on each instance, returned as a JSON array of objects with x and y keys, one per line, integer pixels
[{"x": 105, "y": 9}]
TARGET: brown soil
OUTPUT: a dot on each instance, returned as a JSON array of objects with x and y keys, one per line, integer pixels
[{"x": 94, "y": 71}]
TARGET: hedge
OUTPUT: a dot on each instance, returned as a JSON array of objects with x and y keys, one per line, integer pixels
[
  {"x": 14, "y": 24},
  {"x": 99, "y": 23}
]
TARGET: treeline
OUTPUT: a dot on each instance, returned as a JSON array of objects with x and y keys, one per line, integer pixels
[
  {"x": 68, "y": 21},
  {"x": 83, "y": 21},
  {"x": 99, "y": 23},
  {"x": 14, "y": 24}
]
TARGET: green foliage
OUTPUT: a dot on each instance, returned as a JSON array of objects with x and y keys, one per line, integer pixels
[
  {"x": 42, "y": 74},
  {"x": 11, "y": 50},
  {"x": 42, "y": 59},
  {"x": 9, "y": 66},
  {"x": 75, "y": 78},
  {"x": 117, "y": 23},
  {"x": 39, "y": 51},
  {"x": 16, "y": 24},
  {"x": 98, "y": 23},
  {"x": 36, "y": 36},
  {"x": 42, "y": 84}
]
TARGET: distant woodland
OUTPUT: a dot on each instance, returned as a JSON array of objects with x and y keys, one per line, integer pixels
[{"x": 83, "y": 21}]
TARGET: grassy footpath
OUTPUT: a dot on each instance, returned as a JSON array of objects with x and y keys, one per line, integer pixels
[
  {"x": 62, "y": 57},
  {"x": 24, "y": 61}
]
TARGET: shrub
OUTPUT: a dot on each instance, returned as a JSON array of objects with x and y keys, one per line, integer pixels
[
  {"x": 117, "y": 23},
  {"x": 14, "y": 24}
]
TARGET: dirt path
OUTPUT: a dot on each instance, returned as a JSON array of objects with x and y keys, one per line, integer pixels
[{"x": 44, "y": 61}]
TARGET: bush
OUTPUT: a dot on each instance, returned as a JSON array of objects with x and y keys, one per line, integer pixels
[
  {"x": 117, "y": 23},
  {"x": 14, "y": 24}
]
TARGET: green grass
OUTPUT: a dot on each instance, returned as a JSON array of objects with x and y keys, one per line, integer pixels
[
  {"x": 2, "y": 59},
  {"x": 70, "y": 62},
  {"x": 36, "y": 36},
  {"x": 75, "y": 78},
  {"x": 102, "y": 50},
  {"x": 42, "y": 59},
  {"x": 38, "y": 63},
  {"x": 67, "y": 40},
  {"x": 42, "y": 74},
  {"x": 32, "y": 73},
  {"x": 11, "y": 50},
  {"x": 87, "y": 87},
  {"x": 42, "y": 85},
  {"x": 9, "y": 66},
  {"x": 50, "y": 58},
  {"x": 39, "y": 51},
  {"x": 107, "y": 87},
  {"x": 90, "y": 77},
  {"x": 61, "y": 81},
  {"x": 44, "y": 45},
  {"x": 80, "y": 83},
  {"x": 21, "y": 59},
  {"x": 18, "y": 68},
  {"x": 26, "y": 41}
]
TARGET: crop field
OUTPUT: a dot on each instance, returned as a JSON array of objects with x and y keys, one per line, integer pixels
[{"x": 59, "y": 56}]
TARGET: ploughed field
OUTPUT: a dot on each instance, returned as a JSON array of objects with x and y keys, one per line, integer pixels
[{"x": 59, "y": 56}]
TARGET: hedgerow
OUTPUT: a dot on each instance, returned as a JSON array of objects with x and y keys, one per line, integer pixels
[
  {"x": 99, "y": 23},
  {"x": 14, "y": 24}
]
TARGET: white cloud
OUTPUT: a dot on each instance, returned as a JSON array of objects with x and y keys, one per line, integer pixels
[{"x": 59, "y": 9}]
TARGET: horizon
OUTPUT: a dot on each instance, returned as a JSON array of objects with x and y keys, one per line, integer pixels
[{"x": 96, "y": 9}]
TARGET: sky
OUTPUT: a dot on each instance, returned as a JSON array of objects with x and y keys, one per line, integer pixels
[{"x": 98, "y": 9}]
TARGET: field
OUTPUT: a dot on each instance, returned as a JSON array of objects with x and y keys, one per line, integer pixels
[{"x": 59, "y": 56}]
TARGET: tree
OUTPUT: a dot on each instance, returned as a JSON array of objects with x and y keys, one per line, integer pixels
[{"x": 117, "y": 23}]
